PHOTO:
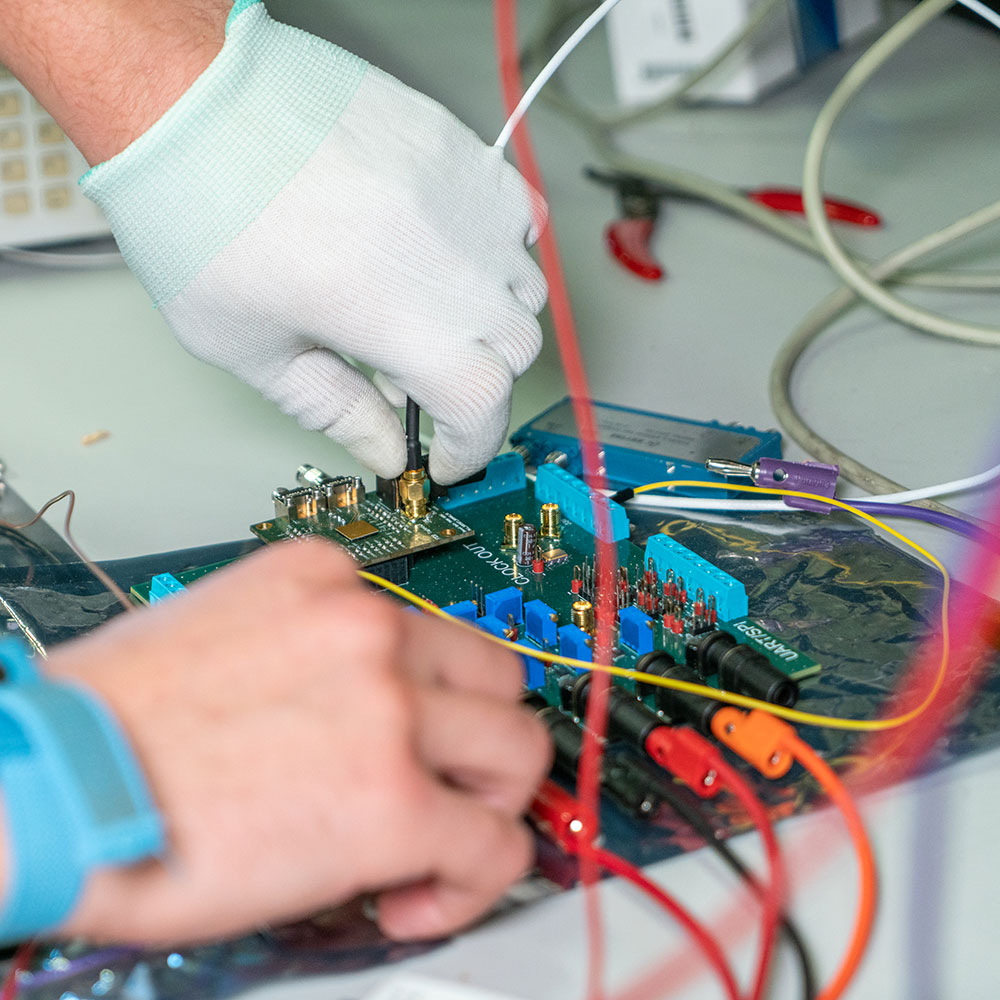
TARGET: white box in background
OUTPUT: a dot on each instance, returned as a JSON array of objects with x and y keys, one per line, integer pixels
[{"x": 655, "y": 43}]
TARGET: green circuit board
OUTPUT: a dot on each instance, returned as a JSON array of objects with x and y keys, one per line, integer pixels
[
  {"x": 456, "y": 557},
  {"x": 467, "y": 570},
  {"x": 370, "y": 530}
]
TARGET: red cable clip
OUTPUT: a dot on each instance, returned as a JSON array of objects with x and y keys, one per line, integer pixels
[
  {"x": 686, "y": 755},
  {"x": 560, "y": 817},
  {"x": 628, "y": 241}
]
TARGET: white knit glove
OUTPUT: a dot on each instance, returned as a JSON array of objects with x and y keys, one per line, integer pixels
[{"x": 299, "y": 211}]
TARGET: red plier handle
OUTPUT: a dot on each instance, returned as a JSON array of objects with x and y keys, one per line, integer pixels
[
  {"x": 628, "y": 240},
  {"x": 790, "y": 200}
]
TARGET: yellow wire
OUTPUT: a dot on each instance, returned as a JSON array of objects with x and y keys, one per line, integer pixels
[{"x": 791, "y": 714}]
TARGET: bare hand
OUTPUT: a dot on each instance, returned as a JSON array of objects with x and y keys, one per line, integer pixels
[{"x": 308, "y": 740}]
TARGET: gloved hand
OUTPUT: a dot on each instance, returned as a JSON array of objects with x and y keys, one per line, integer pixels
[{"x": 298, "y": 211}]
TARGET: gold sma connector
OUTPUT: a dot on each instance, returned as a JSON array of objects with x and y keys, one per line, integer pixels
[
  {"x": 411, "y": 493},
  {"x": 582, "y": 615},
  {"x": 511, "y": 523},
  {"x": 550, "y": 525}
]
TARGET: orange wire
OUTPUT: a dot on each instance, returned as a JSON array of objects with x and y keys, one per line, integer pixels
[{"x": 865, "y": 916}]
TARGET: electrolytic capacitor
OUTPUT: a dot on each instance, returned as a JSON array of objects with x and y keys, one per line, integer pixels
[{"x": 525, "y": 544}]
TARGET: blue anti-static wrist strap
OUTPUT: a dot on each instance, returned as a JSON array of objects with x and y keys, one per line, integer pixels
[{"x": 73, "y": 795}]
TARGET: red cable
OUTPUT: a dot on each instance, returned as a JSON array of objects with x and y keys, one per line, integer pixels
[
  {"x": 20, "y": 962},
  {"x": 709, "y": 945},
  {"x": 563, "y": 820},
  {"x": 691, "y": 758},
  {"x": 605, "y": 553},
  {"x": 773, "y": 896}
]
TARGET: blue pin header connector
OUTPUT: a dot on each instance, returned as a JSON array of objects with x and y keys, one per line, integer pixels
[
  {"x": 730, "y": 595},
  {"x": 576, "y": 501},
  {"x": 505, "y": 474},
  {"x": 164, "y": 585}
]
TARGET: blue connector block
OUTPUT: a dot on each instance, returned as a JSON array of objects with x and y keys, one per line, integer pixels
[
  {"x": 466, "y": 610},
  {"x": 504, "y": 603},
  {"x": 575, "y": 643},
  {"x": 505, "y": 474},
  {"x": 540, "y": 623},
  {"x": 534, "y": 670},
  {"x": 163, "y": 586},
  {"x": 730, "y": 594},
  {"x": 636, "y": 630},
  {"x": 576, "y": 501},
  {"x": 493, "y": 625}
]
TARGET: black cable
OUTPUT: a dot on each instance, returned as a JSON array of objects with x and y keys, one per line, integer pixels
[
  {"x": 25, "y": 543},
  {"x": 696, "y": 819},
  {"x": 413, "y": 460},
  {"x": 624, "y": 775},
  {"x": 28, "y": 547}
]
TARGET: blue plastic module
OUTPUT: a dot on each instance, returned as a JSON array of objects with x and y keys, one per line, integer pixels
[
  {"x": 640, "y": 447},
  {"x": 465, "y": 610},
  {"x": 575, "y": 643},
  {"x": 506, "y": 604},
  {"x": 164, "y": 585},
  {"x": 505, "y": 474}
]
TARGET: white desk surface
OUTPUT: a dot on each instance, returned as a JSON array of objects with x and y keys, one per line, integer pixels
[{"x": 193, "y": 455}]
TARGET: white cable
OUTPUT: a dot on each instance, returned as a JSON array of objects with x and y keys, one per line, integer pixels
[
  {"x": 758, "y": 16},
  {"x": 762, "y": 506},
  {"x": 812, "y": 188},
  {"x": 704, "y": 188},
  {"x": 942, "y": 489},
  {"x": 551, "y": 68},
  {"x": 987, "y": 13},
  {"x": 707, "y": 503},
  {"x": 97, "y": 260}
]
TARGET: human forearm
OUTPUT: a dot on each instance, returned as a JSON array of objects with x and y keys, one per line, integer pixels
[{"x": 107, "y": 69}]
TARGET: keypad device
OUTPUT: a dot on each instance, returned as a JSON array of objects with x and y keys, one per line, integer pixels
[{"x": 40, "y": 202}]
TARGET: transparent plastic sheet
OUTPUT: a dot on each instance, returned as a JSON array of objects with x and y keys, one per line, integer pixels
[{"x": 824, "y": 584}]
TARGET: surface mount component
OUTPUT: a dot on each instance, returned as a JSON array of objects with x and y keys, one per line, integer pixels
[
  {"x": 373, "y": 531},
  {"x": 354, "y": 531}
]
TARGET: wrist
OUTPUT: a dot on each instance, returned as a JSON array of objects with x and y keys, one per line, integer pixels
[
  {"x": 220, "y": 154},
  {"x": 106, "y": 70},
  {"x": 75, "y": 799}
]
